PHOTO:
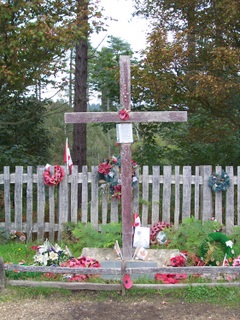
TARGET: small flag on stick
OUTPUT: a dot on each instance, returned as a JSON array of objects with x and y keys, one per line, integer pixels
[{"x": 67, "y": 157}]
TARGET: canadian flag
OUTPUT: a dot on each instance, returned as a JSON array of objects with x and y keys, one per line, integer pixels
[
  {"x": 67, "y": 157},
  {"x": 136, "y": 222}
]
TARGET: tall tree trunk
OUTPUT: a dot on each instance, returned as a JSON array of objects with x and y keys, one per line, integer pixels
[{"x": 80, "y": 91}]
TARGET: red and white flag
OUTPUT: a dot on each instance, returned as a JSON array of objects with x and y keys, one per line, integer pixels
[{"x": 67, "y": 157}]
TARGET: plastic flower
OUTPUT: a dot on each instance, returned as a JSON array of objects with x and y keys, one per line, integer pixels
[
  {"x": 117, "y": 192},
  {"x": 229, "y": 243},
  {"x": 170, "y": 278},
  {"x": 82, "y": 262},
  {"x": 236, "y": 262},
  {"x": 178, "y": 261},
  {"x": 104, "y": 168},
  {"x": 127, "y": 281},
  {"x": 53, "y": 255},
  {"x": 124, "y": 114}
]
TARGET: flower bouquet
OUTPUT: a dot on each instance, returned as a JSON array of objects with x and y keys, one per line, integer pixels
[{"x": 49, "y": 255}]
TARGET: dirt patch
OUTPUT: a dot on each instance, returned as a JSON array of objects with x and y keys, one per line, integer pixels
[{"x": 80, "y": 307}]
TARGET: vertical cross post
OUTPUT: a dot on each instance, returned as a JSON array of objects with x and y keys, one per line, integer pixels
[{"x": 126, "y": 167}]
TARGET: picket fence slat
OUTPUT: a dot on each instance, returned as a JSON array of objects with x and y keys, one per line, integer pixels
[
  {"x": 7, "y": 198},
  {"x": 40, "y": 204},
  {"x": 114, "y": 211},
  {"x": 168, "y": 194},
  {"x": 218, "y": 200},
  {"x": 229, "y": 222},
  {"x": 155, "y": 193},
  {"x": 145, "y": 195},
  {"x": 74, "y": 195},
  {"x": 51, "y": 202},
  {"x": 166, "y": 199},
  {"x": 196, "y": 193},
  {"x": 177, "y": 196},
  {"x": 18, "y": 192},
  {"x": 94, "y": 197},
  {"x": 84, "y": 194}
]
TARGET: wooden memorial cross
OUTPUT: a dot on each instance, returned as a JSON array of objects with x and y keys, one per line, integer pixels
[{"x": 123, "y": 127}]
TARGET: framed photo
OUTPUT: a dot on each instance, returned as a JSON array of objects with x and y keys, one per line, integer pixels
[{"x": 141, "y": 237}]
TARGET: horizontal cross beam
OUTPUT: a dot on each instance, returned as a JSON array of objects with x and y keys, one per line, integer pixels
[{"x": 152, "y": 116}]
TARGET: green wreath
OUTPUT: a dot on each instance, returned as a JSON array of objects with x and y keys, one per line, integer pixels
[
  {"x": 219, "y": 182},
  {"x": 224, "y": 240}
]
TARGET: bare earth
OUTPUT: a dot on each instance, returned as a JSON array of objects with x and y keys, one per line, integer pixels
[{"x": 81, "y": 307}]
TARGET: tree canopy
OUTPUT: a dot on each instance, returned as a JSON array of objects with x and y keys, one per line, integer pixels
[{"x": 192, "y": 63}]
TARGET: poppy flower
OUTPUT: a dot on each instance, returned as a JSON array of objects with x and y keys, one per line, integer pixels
[
  {"x": 127, "y": 281},
  {"x": 124, "y": 114}
]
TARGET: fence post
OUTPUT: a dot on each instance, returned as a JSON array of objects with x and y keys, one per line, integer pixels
[
  {"x": 206, "y": 208},
  {"x": 2, "y": 274}
]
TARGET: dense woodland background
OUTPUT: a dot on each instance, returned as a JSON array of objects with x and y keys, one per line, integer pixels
[{"x": 191, "y": 62}]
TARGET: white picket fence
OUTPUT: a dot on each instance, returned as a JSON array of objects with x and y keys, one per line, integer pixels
[{"x": 166, "y": 193}]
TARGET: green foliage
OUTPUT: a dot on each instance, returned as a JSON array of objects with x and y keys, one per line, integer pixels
[
  {"x": 235, "y": 238},
  {"x": 104, "y": 71},
  {"x": 87, "y": 236},
  {"x": 4, "y": 236},
  {"x": 190, "y": 234},
  {"x": 23, "y": 138}
]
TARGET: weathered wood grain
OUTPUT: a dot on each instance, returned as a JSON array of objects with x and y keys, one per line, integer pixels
[{"x": 135, "y": 116}]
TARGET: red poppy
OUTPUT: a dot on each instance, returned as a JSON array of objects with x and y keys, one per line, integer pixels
[
  {"x": 127, "y": 281},
  {"x": 178, "y": 261},
  {"x": 124, "y": 114},
  {"x": 82, "y": 262}
]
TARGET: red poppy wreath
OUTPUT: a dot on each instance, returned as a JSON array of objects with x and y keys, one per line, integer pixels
[{"x": 55, "y": 178}]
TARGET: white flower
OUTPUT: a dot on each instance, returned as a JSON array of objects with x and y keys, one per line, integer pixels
[
  {"x": 111, "y": 174},
  {"x": 134, "y": 179},
  {"x": 57, "y": 248},
  {"x": 53, "y": 256},
  {"x": 229, "y": 243},
  {"x": 41, "y": 259},
  {"x": 45, "y": 259}
]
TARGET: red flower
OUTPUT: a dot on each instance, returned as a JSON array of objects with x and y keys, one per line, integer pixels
[
  {"x": 124, "y": 114},
  {"x": 54, "y": 179},
  {"x": 82, "y": 262},
  {"x": 170, "y": 278},
  {"x": 34, "y": 248},
  {"x": 117, "y": 191},
  {"x": 127, "y": 281},
  {"x": 104, "y": 168},
  {"x": 178, "y": 261}
]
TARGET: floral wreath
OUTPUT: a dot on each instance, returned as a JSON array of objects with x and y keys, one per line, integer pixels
[
  {"x": 219, "y": 182},
  {"x": 109, "y": 176},
  {"x": 156, "y": 228},
  {"x": 227, "y": 244},
  {"x": 55, "y": 178}
]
